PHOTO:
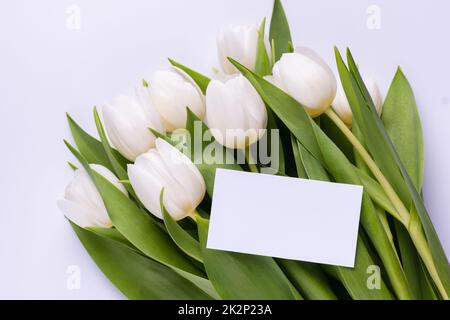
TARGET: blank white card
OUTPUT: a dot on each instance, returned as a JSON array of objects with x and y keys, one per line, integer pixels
[{"x": 285, "y": 217}]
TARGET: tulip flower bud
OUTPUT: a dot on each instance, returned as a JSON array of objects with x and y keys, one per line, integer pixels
[
  {"x": 127, "y": 121},
  {"x": 171, "y": 92},
  {"x": 342, "y": 107},
  {"x": 166, "y": 167},
  {"x": 235, "y": 112},
  {"x": 239, "y": 43},
  {"x": 82, "y": 203},
  {"x": 307, "y": 78}
]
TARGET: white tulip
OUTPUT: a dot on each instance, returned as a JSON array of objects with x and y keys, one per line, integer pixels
[
  {"x": 127, "y": 121},
  {"x": 235, "y": 112},
  {"x": 166, "y": 167},
  {"x": 307, "y": 78},
  {"x": 171, "y": 92},
  {"x": 239, "y": 43},
  {"x": 82, "y": 203},
  {"x": 342, "y": 107}
]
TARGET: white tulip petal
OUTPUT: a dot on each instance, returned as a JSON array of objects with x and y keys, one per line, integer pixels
[
  {"x": 235, "y": 112},
  {"x": 239, "y": 43},
  {"x": 307, "y": 78},
  {"x": 171, "y": 93},
  {"x": 127, "y": 120},
  {"x": 166, "y": 167},
  {"x": 147, "y": 189},
  {"x": 183, "y": 170},
  {"x": 342, "y": 107},
  {"x": 82, "y": 203}
]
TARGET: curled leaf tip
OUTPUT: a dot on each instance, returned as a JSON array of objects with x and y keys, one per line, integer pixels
[{"x": 172, "y": 62}]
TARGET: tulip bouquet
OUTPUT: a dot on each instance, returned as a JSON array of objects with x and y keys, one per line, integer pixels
[{"x": 141, "y": 196}]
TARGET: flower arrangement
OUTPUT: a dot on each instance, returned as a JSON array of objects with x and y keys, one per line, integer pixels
[{"x": 140, "y": 199}]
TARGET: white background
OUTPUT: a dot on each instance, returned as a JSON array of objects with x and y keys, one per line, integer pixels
[{"x": 47, "y": 69}]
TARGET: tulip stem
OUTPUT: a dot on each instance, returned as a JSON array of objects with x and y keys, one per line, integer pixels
[
  {"x": 250, "y": 162},
  {"x": 403, "y": 214},
  {"x": 193, "y": 215}
]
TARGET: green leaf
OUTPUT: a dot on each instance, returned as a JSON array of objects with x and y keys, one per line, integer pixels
[
  {"x": 136, "y": 276},
  {"x": 410, "y": 260},
  {"x": 402, "y": 123},
  {"x": 185, "y": 242},
  {"x": 336, "y": 135},
  {"x": 301, "y": 171},
  {"x": 387, "y": 158},
  {"x": 263, "y": 68},
  {"x": 308, "y": 278},
  {"x": 277, "y": 163},
  {"x": 201, "y": 80},
  {"x": 355, "y": 280},
  {"x": 136, "y": 225},
  {"x": 376, "y": 192},
  {"x": 119, "y": 169},
  {"x": 312, "y": 167},
  {"x": 262, "y": 64},
  {"x": 242, "y": 276},
  {"x": 279, "y": 31},
  {"x": 91, "y": 148},
  {"x": 72, "y": 166},
  {"x": 113, "y": 234}
]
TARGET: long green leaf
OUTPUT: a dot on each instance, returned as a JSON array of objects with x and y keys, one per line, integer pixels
[
  {"x": 119, "y": 169},
  {"x": 402, "y": 122},
  {"x": 136, "y": 276},
  {"x": 336, "y": 135},
  {"x": 355, "y": 280},
  {"x": 242, "y": 276},
  {"x": 185, "y": 242},
  {"x": 136, "y": 225},
  {"x": 301, "y": 171},
  {"x": 279, "y": 32},
  {"x": 112, "y": 234},
  {"x": 91, "y": 148},
  {"x": 262, "y": 64},
  {"x": 410, "y": 260},
  {"x": 263, "y": 68},
  {"x": 308, "y": 278},
  {"x": 376, "y": 192},
  {"x": 313, "y": 169}
]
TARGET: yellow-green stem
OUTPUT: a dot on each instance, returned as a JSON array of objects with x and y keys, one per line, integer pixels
[
  {"x": 403, "y": 213},
  {"x": 250, "y": 162},
  {"x": 194, "y": 214},
  {"x": 418, "y": 238}
]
